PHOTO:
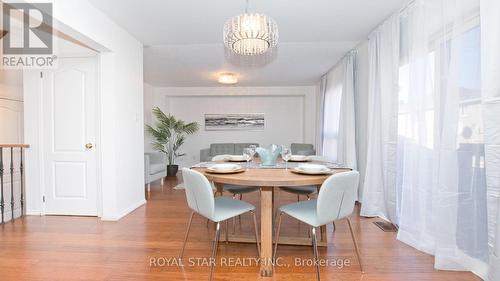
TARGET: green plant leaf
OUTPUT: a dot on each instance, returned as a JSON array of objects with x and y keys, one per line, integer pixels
[{"x": 169, "y": 134}]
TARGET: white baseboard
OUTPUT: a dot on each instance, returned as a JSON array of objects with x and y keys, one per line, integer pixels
[
  {"x": 125, "y": 212},
  {"x": 33, "y": 213}
]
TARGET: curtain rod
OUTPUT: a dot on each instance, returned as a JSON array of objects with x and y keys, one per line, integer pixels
[
  {"x": 399, "y": 12},
  {"x": 350, "y": 52},
  {"x": 355, "y": 49}
]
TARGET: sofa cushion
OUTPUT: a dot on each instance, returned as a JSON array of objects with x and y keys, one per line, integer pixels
[
  {"x": 156, "y": 168},
  {"x": 221, "y": 148},
  {"x": 238, "y": 147},
  {"x": 301, "y": 148}
]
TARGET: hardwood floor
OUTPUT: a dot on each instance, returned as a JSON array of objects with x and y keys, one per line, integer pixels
[{"x": 82, "y": 248}]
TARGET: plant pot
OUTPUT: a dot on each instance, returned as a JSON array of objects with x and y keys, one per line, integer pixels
[{"x": 172, "y": 170}]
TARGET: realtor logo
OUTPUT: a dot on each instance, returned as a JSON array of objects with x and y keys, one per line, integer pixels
[
  {"x": 28, "y": 40},
  {"x": 29, "y": 28}
]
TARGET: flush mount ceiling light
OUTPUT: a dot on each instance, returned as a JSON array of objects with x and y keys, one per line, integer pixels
[
  {"x": 227, "y": 78},
  {"x": 250, "y": 34}
]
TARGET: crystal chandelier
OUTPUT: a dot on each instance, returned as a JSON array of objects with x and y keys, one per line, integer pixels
[{"x": 250, "y": 34}]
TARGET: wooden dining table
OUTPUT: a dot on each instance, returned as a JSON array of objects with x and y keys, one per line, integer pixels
[{"x": 269, "y": 180}]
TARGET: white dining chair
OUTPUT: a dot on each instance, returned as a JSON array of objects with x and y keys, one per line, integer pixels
[
  {"x": 301, "y": 190},
  {"x": 336, "y": 200},
  {"x": 305, "y": 190},
  {"x": 201, "y": 201},
  {"x": 235, "y": 190}
]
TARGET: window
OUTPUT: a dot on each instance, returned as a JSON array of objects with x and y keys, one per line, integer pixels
[{"x": 408, "y": 130}]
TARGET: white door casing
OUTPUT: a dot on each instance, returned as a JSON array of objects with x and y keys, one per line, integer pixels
[{"x": 69, "y": 130}]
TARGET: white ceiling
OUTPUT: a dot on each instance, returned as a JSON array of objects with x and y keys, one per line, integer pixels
[{"x": 183, "y": 38}]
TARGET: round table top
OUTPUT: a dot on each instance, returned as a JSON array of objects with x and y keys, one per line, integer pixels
[{"x": 268, "y": 177}]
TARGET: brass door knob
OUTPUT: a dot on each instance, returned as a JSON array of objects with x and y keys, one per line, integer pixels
[{"x": 89, "y": 146}]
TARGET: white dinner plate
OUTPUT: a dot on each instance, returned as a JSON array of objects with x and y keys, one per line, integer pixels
[
  {"x": 325, "y": 171},
  {"x": 225, "y": 167},
  {"x": 299, "y": 158},
  {"x": 312, "y": 167},
  {"x": 236, "y": 158}
]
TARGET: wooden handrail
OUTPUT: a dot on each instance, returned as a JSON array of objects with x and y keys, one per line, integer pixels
[{"x": 15, "y": 145}]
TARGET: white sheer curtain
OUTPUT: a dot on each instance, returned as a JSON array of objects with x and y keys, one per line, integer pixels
[
  {"x": 490, "y": 62},
  {"x": 441, "y": 173},
  {"x": 379, "y": 192},
  {"x": 331, "y": 113},
  {"x": 434, "y": 139},
  {"x": 339, "y": 139},
  {"x": 346, "y": 149},
  {"x": 321, "y": 113}
]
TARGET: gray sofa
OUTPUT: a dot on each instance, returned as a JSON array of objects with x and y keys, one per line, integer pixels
[
  {"x": 223, "y": 148},
  {"x": 302, "y": 149},
  {"x": 155, "y": 167}
]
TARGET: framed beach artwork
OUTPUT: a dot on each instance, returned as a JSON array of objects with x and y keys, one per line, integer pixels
[{"x": 234, "y": 122}]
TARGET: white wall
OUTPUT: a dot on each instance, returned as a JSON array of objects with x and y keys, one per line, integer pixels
[
  {"x": 361, "y": 104},
  {"x": 121, "y": 105},
  {"x": 11, "y": 84},
  {"x": 290, "y": 114},
  {"x": 149, "y": 103}
]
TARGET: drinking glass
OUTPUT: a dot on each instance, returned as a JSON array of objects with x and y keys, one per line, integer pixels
[
  {"x": 254, "y": 149},
  {"x": 286, "y": 154},
  {"x": 247, "y": 154}
]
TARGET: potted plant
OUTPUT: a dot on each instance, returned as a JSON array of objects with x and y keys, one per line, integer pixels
[{"x": 169, "y": 135}]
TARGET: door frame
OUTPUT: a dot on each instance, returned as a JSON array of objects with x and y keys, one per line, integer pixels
[{"x": 98, "y": 111}]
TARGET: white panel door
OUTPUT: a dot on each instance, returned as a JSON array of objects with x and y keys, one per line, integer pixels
[{"x": 69, "y": 134}]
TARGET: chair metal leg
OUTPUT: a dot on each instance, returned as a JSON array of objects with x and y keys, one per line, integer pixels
[
  {"x": 315, "y": 250},
  {"x": 239, "y": 217},
  {"x": 214, "y": 250},
  {"x": 239, "y": 220},
  {"x": 277, "y": 236},
  {"x": 309, "y": 231},
  {"x": 187, "y": 233},
  {"x": 256, "y": 232},
  {"x": 334, "y": 227},
  {"x": 234, "y": 218},
  {"x": 161, "y": 181},
  {"x": 355, "y": 244},
  {"x": 298, "y": 198},
  {"x": 226, "y": 229}
]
